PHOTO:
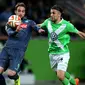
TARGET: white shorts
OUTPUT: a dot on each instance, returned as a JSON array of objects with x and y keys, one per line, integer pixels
[{"x": 59, "y": 61}]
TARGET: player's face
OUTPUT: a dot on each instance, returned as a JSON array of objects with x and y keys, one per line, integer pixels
[
  {"x": 20, "y": 11},
  {"x": 54, "y": 15}
]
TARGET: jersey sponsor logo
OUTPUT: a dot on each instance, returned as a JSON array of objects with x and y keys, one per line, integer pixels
[{"x": 23, "y": 25}]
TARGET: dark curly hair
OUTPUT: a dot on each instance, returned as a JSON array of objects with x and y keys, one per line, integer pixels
[{"x": 58, "y": 7}]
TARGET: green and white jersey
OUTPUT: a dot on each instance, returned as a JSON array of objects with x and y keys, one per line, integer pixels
[{"x": 57, "y": 34}]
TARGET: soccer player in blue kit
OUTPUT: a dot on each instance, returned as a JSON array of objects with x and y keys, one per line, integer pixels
[{"x": 15, "y": 47}]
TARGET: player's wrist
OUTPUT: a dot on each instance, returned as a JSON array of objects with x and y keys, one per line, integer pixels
[
  {"x": 18, "y": 28},
  {"x": 13, "y": 28}
]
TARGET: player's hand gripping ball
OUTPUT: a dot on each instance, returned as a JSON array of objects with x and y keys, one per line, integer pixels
[{"x": 14, "y": 21}]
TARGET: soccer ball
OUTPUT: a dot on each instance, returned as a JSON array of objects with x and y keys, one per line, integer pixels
[{"x": 14, "y": 21}]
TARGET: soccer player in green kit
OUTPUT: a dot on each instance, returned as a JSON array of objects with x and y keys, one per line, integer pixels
[{"x": 58, "y": 39}]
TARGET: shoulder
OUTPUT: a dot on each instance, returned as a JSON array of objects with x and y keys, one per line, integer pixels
[
  {"x": 32, "y": 22},
  {"x": 25, "y": 20},
  {"x": 46, "y": 20},
  {"x": 28, "y": 21},
  {"x": 67, "y": 22}
]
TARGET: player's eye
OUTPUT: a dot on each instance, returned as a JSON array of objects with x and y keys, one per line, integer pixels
[
  {"x": 23, "y": 11},
  {"x": 19, "y": 10},
  {"x": 53, "y": 12}
]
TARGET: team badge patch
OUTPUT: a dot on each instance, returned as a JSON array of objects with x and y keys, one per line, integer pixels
[{"x": 53, "y": 36}]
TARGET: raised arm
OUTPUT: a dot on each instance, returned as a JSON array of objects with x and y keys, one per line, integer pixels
[{"x": 38, "y": 25}]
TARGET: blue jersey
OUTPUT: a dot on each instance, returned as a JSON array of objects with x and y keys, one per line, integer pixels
[{"x": 20, "y": 39}]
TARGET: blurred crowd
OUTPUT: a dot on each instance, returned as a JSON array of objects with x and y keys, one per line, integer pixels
[{"x": 39, "y": 10}]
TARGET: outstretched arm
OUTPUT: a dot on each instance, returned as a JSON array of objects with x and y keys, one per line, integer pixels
[
  {"x": 40, "y": 30},
  {"x": 81, "y": 34},
  {"x": 37, "y": 27}
]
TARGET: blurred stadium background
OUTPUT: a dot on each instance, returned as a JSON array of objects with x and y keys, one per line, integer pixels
[{"x": 35, "y": 67}]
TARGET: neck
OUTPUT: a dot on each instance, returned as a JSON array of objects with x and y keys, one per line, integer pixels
[{"x": 58, "y": 20}]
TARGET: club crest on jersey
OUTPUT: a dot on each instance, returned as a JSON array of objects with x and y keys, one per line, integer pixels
[
  {"x": 53, "y": 36},
  {"x": 23, "y": 25}
]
